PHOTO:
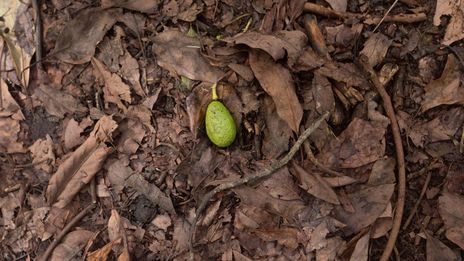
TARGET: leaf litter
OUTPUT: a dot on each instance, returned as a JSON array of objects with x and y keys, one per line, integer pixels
[{"x": 118, "y": 120}]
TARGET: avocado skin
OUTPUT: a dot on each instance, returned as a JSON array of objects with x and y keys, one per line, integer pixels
[{"x": 220, "y": 125}]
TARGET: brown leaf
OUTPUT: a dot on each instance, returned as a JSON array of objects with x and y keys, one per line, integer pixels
[
  {"x": 42, "y": 154},
  {"x": 130, "y": 72},
  {"x": 72, "y": 133},
  {"x": 124, "y": 256},
  {"x": 447, "y": 89},
  {"x": 437, "y": 251},
  {"x": 361, "y": 250},
  {"x": 181, "y": 233},
  {"x": 383, "y": 172},
  {"x": 244, "y": 71},
  {"x": 338, "y": 5},
  {"x": 132, "y": 134},
  {"x": 57, "y": 102},
  {"x": 196, "y": 103},
  {"x": 121, "y": 175},
  {"x": 277, "y": 133},
  {"x": 369, "y": 203},
  {"x": 261, "y": 199},
  {"x": 290, "y": 43},
  {"x": 8, "y": 106},
  {"x": 281, "y": 185},
  {"x": 315, "y": 185},
  {"x": 9, "y": 129},
  {"x": 115, "y": 90},
  {"x": 455, "y": 28},
  {"x": 230, "y": 98},
  {"x": 115, "y": 227},
  {"x": 341, "y": 181},
  {"x": 180, "y": 55},
  {"x": 102, "y": 253},
  {"x": 76, "y": 43},
  {"x": 375, "y": 48},
  {"x": 344, "y": 72},
  {"x": 144, "y": 6},
  {"x": 359, "y": 144},
  {"x": 162, "y": 221},
  {"x": 71, "y": 244},
  {"x": 277, "y": 81},
  {"x": 284, "y": 236},
  {"x": 451, "y": 209},
  {"x": 83, "y": 164}
]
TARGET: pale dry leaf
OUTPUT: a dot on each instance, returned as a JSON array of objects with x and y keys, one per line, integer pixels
[
  {"x": 451, "y": 209},
  {"x": 124, "y": 256},
  {"x": 8, "y": 106},
  {"x": 381, "y": 227},
  {"x": 181, "y": 233},
  {"x": 455, "y": 28},
  {"x": 9, "y": 130},
  {"x": 143, "y": 114},
  {"x": 383, "y": 172},
  {"x": 115, "y": 228},
  {"x": 115, "y": 90},
  {"x": 71, "y": 245},
  {"x": 315, "y": 185},
  {"x": 341, "y": 181},
  {"x": 79, "y": 38},
  {"x": 130, "y": 72},
  {"x": 57, "y": 102},
  {"x": 375, "y": 48},
  {"x": 180, "y": 55},
  {"x": 369, "y": 203},
  {"x": 102, "y": 253},
  {"x": 162, "y": 221},
  {"x": 447, "y": 89},
  {"x": 188, "y": 10},
  {"x": 286, "y": 236},
  {"x": 43, "y": 156},
  {"x": 361, "y": 250},
  {"x": 16, "y": 24},
  {"x": 144, "y": 6},
  {"x": 83, "y": 164},
  {"x": 330, "y": 251},
  {"x": 277, "y": 81},
  {"x": 72, "y": 133},
  {"x": 437, "y": 251}
]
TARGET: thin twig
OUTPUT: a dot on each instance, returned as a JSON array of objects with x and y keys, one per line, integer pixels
[
  {"x": 384, "y": 16},
  {"x": 254, "y": 177},
  {"x": 416, "y": 206},
  {"x": 65, "y": 231},
  {"x": 388, "y": 106}
]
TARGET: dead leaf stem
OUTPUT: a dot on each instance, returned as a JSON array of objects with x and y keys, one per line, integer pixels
[
  {"x": 254, "y": 177},
  {"x": 388, "y": 106},
  {"x": 65, "y": 231}
]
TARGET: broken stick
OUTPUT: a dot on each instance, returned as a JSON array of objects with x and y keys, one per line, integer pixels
[{"x": 254, "y": 177}]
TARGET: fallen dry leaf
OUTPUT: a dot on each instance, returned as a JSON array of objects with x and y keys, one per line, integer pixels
[
  {"x": 282, "y": 43},
  {"x": 144, "y": 6},
  {"x": 369, "y": 203},
  {"x": 115, "y": 227},
  {"x": 437, "y": 251},
  {"x": 451, "y": 209},
  {"x": 281, "y": 185},
  {"x": 338, "y": 5},
  {"x": 121, "y": 175},
  {"x": 277, "y": 133},
  {"x": 8, "y": 106},
  {"x": 285, "y": 236},
  {"x": 361, "y": 250},
  {"x": 196, "y": 103},
  {"x": 315, "y": 185},
  {"x": 71, "y": 245},
  {"x": 79, "y": 38},
  {"x": 10, "y": 115},
  {"x": 330, "y": 251},
  {"x": 375, "y": 48},
  {"x": 180, "y": 234},
  {"x": 344, "y": 72},
  {"x": 83, "y": 164},
  {"x": 455, "y": 28},
  {"x": 102, "y": 253},
  {"x": 130, "y": 72},
  {"x": 42, "y": 154},
  {"x": 132, "y": 134},
  {"x": 447, "y": 89},
  {"x": 72, "y": 133},
  {"x": 383, "y": 172},
  {"x": 58, "y": 102},
  {"x": 180, "y": 55},
  {"x": 359, "y": 144},
  {"x": 162, "y": 221},
  {"x": 277, "y": 81},
  {"x": 115, "y": 90}
]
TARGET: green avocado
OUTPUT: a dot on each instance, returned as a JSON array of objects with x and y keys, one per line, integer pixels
[{"x": 220, "y": 125}]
